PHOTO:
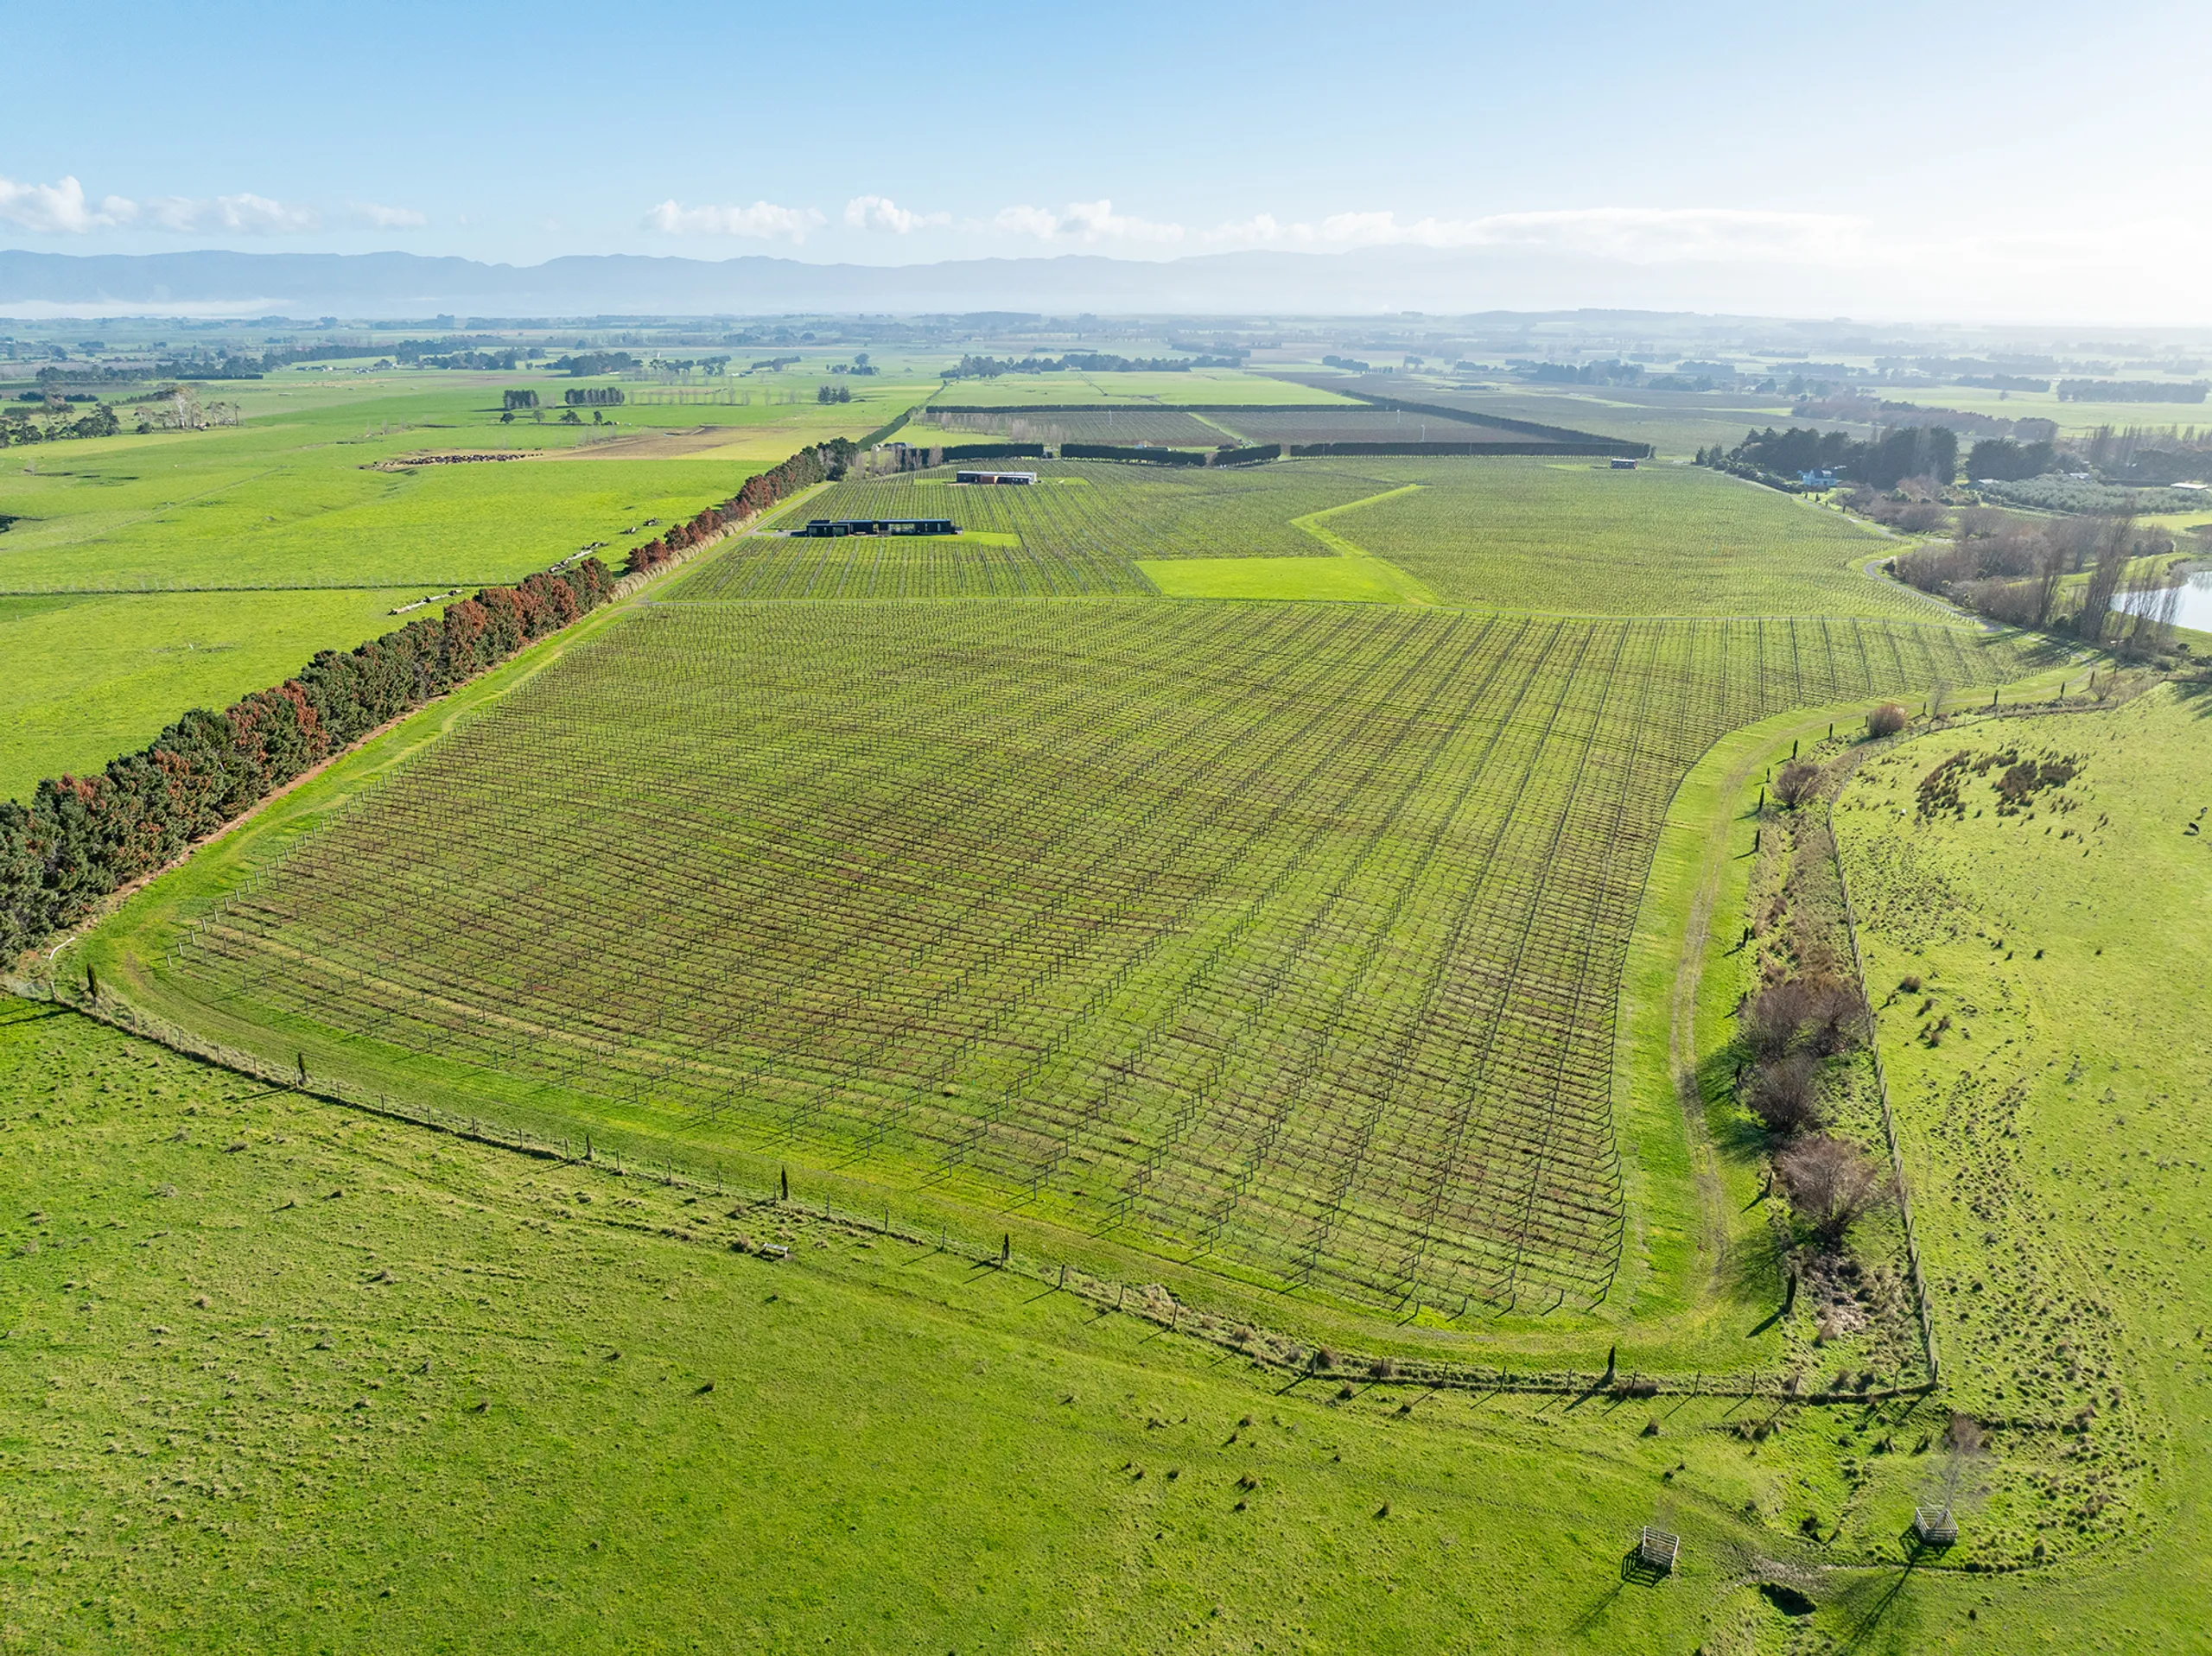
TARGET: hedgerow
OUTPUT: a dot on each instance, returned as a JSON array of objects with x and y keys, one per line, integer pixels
[
  {"x": 81, "y": 838},
  {"x": 761, "y": 490}
]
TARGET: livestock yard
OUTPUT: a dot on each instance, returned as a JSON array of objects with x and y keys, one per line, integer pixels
[{"x": 1357, "y": 990}]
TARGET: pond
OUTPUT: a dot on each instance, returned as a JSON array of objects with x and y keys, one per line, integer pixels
[{"x": 2196, "y": 609}]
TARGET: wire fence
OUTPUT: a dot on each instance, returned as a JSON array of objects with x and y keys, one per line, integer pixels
[{"x": 1297, "y": 1360}]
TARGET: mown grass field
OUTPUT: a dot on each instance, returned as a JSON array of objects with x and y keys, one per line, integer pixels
[
  {"x": 287, "y": 505},
  {"x": 93, "y": 676}
]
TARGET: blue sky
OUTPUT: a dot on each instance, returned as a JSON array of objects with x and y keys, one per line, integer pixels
[{"x": 1996, "y": 146}]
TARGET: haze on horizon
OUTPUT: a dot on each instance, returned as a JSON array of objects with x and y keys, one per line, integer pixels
[{"x": 1977, "y": 164}]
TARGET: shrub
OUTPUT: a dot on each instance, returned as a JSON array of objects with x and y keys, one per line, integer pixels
[
  {"x": 1832, "y": 1185},
  {"x": 1784, "y": 1092},
  {"x": 1836, "y": 1017},
  {"x": 1773, "y": 1017},
  {"x": 1799, "y": 781},
  {"x": 1885, "y": 720}
]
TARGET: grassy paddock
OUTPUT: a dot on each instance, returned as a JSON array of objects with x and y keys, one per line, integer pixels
[
  {"x": 285, "y": 502},
  {"x": 301, "y": 1378},
  {"x": 94, "y": 677},
  {"x": 2048, "y": 1078}
]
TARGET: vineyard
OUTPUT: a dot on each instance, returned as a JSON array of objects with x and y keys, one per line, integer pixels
[
  {"x": 1208, "y": 427},
  {"x": 1361, "y": 425},
  {"x": 1577, "y": 539},
  {"x": 1289, "y": 936},
  {"x": 1082, "y": 528},
  {"x": 1511, "y": 534}
]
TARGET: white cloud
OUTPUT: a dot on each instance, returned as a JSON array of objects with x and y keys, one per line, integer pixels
[
  {"x": 51, "y": 209},
  {"x": 1635, "y": 235},
  {"x": 763, "y": 220},
  {"x": 245, "y": 213},
  {"x": 1089, "y": 222},
  {"x": 882, "y": 212},
  {"x": 381, "y": 218},
  {"x": 62, "y": 209},
  {"x": 1026, "y": 221}
]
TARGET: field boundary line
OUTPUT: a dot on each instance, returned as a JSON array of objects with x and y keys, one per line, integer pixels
[
  {"x": 1301, "y": 1359},
  {"x": 1412, "y": 587},
  {"x": 1881, "y": 1077}
]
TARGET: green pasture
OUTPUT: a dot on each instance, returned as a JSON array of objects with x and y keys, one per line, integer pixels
[
  {"x": 288, "y": 506},
  {"x": 2049, "y": 1078},
  {"x": 92, "y": 678},
  {"x": 2073, "y": 417},
  {"x": 291, "y": 1377},
  {"x": 1356, "y": 580}
]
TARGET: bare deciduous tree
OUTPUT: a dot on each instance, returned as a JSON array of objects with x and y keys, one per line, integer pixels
[
  {"x": 1784, "y": 1092},
  {"x": 1799, "y": 782},
  {"x": 1832, "y": 1185}
]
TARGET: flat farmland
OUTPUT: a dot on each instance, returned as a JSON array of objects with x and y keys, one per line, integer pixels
[
  {"x": 1365, "y": 425},
  {"x": 1166, "y": 427},
  {"x": 1082, "y": 528},
  {"x": 1203, "y": 386},
  {"x": 112, "y": 670},
  {"x": 1676, "y": 424},
  {"x": 1579, "y": 538},
  {"x": 1284, "y": 937},
  {"x": 246, "y": 548}
]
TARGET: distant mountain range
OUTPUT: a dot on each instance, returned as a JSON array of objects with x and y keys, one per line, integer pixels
[{"x": 358, "y": 286}]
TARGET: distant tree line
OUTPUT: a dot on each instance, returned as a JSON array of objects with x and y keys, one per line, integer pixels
[
  {"x": 514, "y": 398},
  {"x": 2015, "y": 570},
  {"x": 832, "y": 393},
  {"x": 593, "y": 396},
  {"x": 17, "y": 429},
  {"x": 1777, "y": 458},
  {"x": 81, "y": 838},
  {"x": 824, "y": 463},
  {"x": 585, "y": 364}
]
